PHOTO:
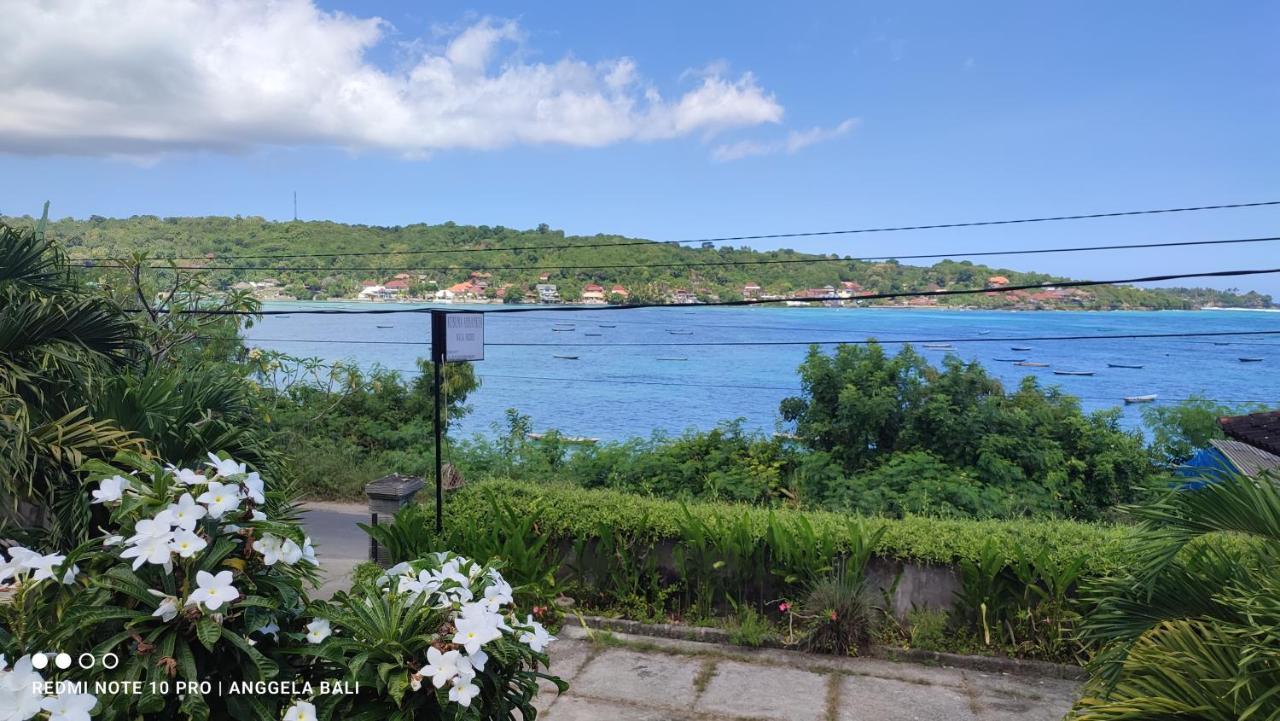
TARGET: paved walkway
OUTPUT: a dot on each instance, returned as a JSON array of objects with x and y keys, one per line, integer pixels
[
  {"x": 340, "y": 544},
  {"x": 635, "y": 678}
]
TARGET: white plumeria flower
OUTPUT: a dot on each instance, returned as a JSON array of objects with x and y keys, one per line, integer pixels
[
  {"x": 220, "y": 498},
  {"x": 168, "y": 608},
  {"x": 43, "y": 565},
  {"x": 213, "y": 591},
  {"x": 318, "y": 630},
  {"x": 70, "y": 574},
  {"x": 226, "y": 467},
  {"x": 186, "y": 512},
  {"x": 290, "y": 551},
  {"x": 441, "y": 668},
  {"x": 187, "y": 477},
  {"x": 475, "y": 631},
  {"x": 150, "y": 542},
  {"x": 254, "y": 489},
  {"x": 478, "y": 660},
  {"x": 462, "y": 691},
  {"x": 187, "y": 544},
  {"x": 309, "y": 552},
  {"x": 111, "y": 489},
  {"x": 497, "y": 595},
  {"x": 69, "y": 706},
  {"x": 257, "y": 515},
  {"x": 536, "y": 639},
  {"x": 270, "y": 629},
  {"x": 16, "y": 690},
  {"x": 15, "y": 565},
  {"x": 300, "y": 711}
]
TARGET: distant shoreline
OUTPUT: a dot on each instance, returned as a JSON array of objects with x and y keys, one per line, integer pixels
[{"x": 691, "y": 306}]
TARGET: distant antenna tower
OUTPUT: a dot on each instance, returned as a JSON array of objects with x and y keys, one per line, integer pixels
[{"x": 295, "y": 205}]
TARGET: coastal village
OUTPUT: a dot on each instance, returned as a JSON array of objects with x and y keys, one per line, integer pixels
[{"x": 479, "y": 288}]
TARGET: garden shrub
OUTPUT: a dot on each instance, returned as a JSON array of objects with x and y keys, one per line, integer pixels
[{"x": 198, "y": 578}]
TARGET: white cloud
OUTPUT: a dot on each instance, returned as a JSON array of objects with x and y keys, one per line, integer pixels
[
  {"x": 144, "y": 77},
  {"x": 794, "y": 142}
]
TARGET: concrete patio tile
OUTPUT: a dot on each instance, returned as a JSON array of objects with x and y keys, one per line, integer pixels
[
  {"x": 573, "y": 708},
  {"x": 866, "y": 698},
  {"x": 641, "y": 678},
  {"x": 1010, "y": 698},
  {"x": 765, "y": 692}
]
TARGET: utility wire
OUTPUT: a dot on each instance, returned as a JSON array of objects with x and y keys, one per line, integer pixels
[
  {"x": 767, "y": 236},
  {"x": 711, "y": 263},
  {"x": 863, "y": 341},
  {"x": 733, "y": 303}
]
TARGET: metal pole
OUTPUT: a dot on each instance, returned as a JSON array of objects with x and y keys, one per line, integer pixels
[{"x": 437, "y": 364}]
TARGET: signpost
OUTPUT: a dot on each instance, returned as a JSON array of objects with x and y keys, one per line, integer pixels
[{"x": 455, "y": 336}]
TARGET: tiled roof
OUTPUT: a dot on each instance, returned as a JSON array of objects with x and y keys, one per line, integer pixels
[
  {"x": 1249, "y": 460},
  {"x": 1260, "y": 430}
]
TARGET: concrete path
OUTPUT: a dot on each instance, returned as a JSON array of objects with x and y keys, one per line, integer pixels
[
  {"x": 340, "y": 544},
  {"x": 636, "y": 678}
]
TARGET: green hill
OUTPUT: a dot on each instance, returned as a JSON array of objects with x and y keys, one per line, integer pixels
[{"x": 219, "y": 239}]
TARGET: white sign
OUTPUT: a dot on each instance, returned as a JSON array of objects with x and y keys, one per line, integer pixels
[{"x": 464, "y": 337}]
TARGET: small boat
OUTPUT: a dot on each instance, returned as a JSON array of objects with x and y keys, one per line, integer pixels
[
  {"x": 1250, "y": 359},
  {"x": 1219, "y": 342},
  {"x": 673, "y": 358},
  {"x": 984, "y": 332},
  {"x": 1030, "y": 364},
  {"x": 1141, "y": 399},
  {"x": 680, "y": 332},
  {"x": 602, "y": 325},
  {"x": 1073, "y": 373},
  {"x": 566, "y": 357},
  {"x": 566, "y": 439},
  {"x": 938, "y": 346},
  {"x": 1124, "y": 365},
  {"x": 283, "y": 316},
  {"x": 1011, "y": 360},
  {"x": 386, "y": 326},
  {"x": 1019, "y": 347},
  {"x": 561, "y": 330},
  {"x": 593, "y": 334}
]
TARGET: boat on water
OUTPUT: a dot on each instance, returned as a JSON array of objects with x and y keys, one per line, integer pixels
[
  {"x": 1250, "y": 359},
  {"x": 566, "y": 357},
  {"x": 1219, "y": 342},
  {"x": 1030, "y": 364},
  {"x": 680, "y": 332},
  {"x": 984, "y": 332},
  {"x": 1011, "y": 360},
  {"x": 1073, "y": 373},
  {"x": 673, "y": 358},
  {"x": 284, "y": 316},
  {"x": 938, "y": 346},
  {"x": 1019, "y": 347},
  {"x": 1124, "y": 365},
  {"x": 602, "y": 325},
  {"x": 561, "y": 330},
  {"x": 593, "y": 334},
  {"x": 386, "y": 326},
  {"x": 1149, "y": 398}
]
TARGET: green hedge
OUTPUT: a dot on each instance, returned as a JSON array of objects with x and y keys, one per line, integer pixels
[{"x": 571, "y": 512}]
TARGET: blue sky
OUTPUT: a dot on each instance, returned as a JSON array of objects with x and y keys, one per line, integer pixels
[{"x": 690, "y": 119}]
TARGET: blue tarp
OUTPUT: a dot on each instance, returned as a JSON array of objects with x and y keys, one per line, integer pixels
[{"x": 1208, "y": 465}]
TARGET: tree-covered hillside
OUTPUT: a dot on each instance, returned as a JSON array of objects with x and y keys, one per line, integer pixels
[{"x": 218, "y": 240}]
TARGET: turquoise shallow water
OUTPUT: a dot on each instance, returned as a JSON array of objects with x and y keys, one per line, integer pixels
[{"x": 613, "y": 391}]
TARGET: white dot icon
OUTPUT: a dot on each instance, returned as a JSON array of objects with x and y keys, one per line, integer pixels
[
  {"x": 63, "y": 660},
  {"x": 39, "y": 660}
]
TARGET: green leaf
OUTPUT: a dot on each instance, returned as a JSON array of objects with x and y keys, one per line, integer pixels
[
  {"x": 266, "y": 668},
  {"x": 397, "y": 684},
  {"x": 186, "y": 661},
  {"x": 208, "y": 631}
]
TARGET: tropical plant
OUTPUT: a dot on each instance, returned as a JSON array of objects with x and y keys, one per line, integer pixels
[
  {"x": 838, "y": 612},
  {"x": 1192, "y": 629},
  {"x": 197, "y": 582},
  {"x": 437, "y": 638},
  {"x": 409, "y": 535},
  {"x": 58, "y": 340}
]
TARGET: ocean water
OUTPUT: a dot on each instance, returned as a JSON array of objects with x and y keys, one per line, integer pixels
[{"x": 613, "y": 391}]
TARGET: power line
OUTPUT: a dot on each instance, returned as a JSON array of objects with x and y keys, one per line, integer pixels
[
  {"x": 766, "y": 236},
  {"x": 717, "y": 263},
  {"x": 863, "y": 341},
  {"x": 750, "y": 302}
]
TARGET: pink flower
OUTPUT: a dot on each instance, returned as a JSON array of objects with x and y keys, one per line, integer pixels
[{"x": 784, "y": 607}]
